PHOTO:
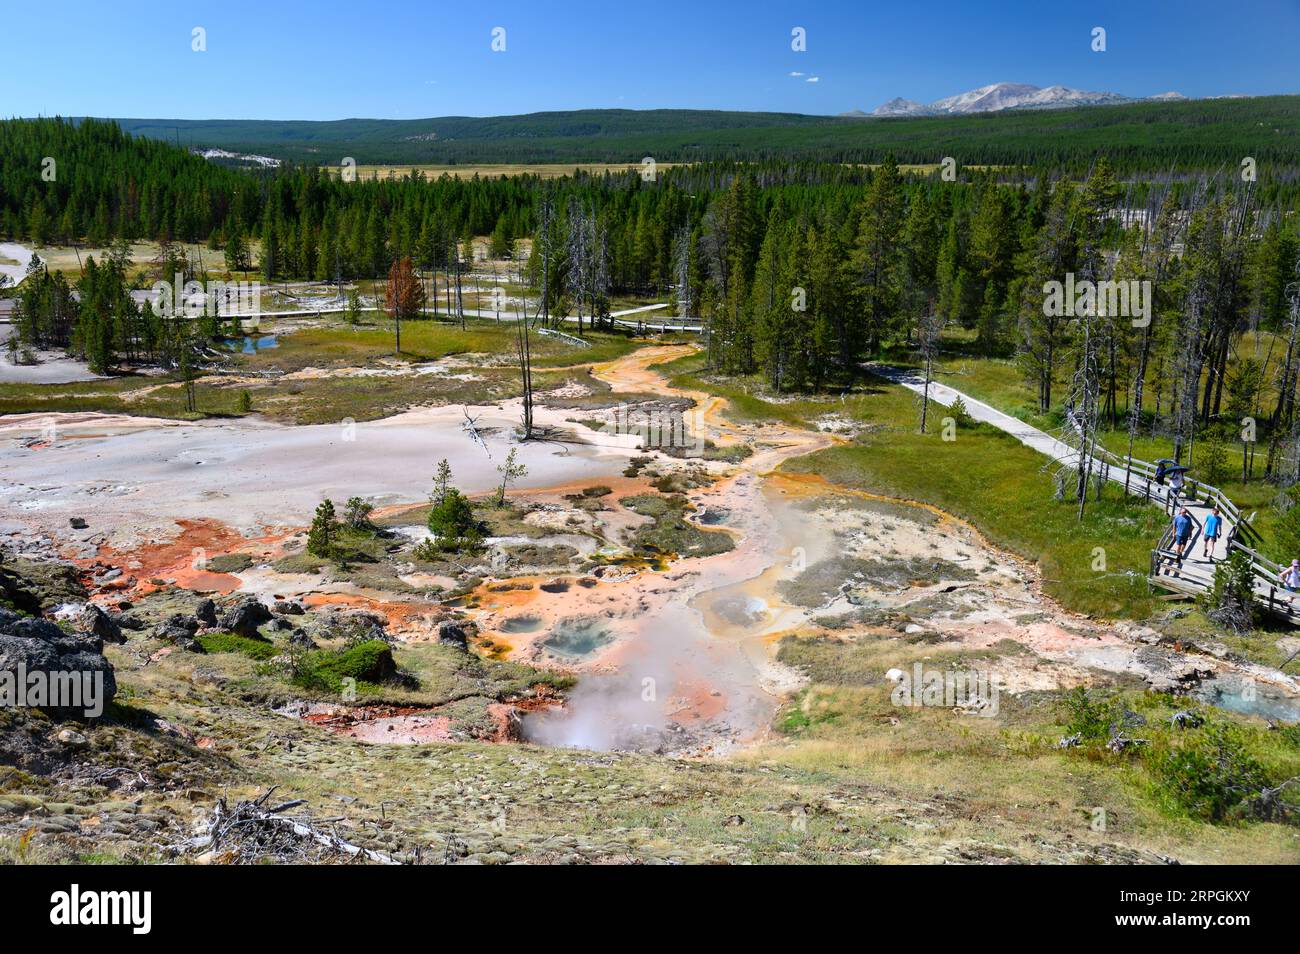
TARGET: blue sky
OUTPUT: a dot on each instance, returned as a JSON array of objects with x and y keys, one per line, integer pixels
[{"x": 388, "y": 59}]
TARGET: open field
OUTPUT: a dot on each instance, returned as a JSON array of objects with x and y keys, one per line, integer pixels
[
  {"x": 553, "y": 170},
  {"x": 327, "y": 372},
  {"x": 71, "y": 259},
  {"x": 544, "y": 170}
]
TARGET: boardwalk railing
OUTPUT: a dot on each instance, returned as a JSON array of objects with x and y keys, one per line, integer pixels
[
  {"x": 1242, "y": 537},
  {"x": 1270, "y": 574}
]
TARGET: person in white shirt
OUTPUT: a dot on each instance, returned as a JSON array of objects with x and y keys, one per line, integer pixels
[
  {"x": 1291, "y": 580},
  {"x": 1176, "y": 484}
]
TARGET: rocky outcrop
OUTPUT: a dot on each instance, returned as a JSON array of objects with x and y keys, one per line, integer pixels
[
  {"x": 95, "y": 622},
  {"x": 29, "y": 645},
  {"x": 299, "y": 637},
  {"x": 353, "y": 625},
  {"x": 31, "y": 586},
  {"x": 456, "y": 632},
  {"x": 206, "y": 613},
  {"x": 15, "y": 592},
  {"x": 246, "y": 617},
  {"x": 180, "y": 629}
]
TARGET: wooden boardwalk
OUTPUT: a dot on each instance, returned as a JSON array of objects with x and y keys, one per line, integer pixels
[{"x": 1195, "y": 574}]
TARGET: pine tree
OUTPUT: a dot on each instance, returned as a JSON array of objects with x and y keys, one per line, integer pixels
[
  {"x": 1054, "y": 253},
  {"x": 510, "y": 471},
  {"x": 323, "y": 535},
  {"x": 877, "y": 257},
  {"x": 500, "y": 244},
  {"x": 453, "y": 524},
  {"x": 236, "y": 253},
  {"x": 270, "y": 252},
  {"x": 441, "y": 482}
]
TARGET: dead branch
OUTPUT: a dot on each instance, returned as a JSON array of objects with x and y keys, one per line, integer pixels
[{"x": 251, "y": 832}]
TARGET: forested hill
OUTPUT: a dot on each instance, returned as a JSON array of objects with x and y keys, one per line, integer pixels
[
  {"x": 60, "y": 181},
  {"x": 1136, "y": 136}
]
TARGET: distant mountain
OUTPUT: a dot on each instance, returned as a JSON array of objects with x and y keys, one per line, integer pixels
[
  {"x": 901, "y": 107},
  {"x": 999, "y": 96},
  {"x": 986, "y": 99}
]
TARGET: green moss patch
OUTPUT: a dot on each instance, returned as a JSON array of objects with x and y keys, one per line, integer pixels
[{"x": 259, "y": 649}]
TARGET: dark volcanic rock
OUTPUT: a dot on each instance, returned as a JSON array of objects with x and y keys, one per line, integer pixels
[
  {"x": 180, "y": 629},
  {"x": 99, "y": 624},
  {"x": 15, "y": 591},
  {"x": 455, "y": 632},
  {"x": 31, "y": 645},
  {"x": 246, "y": 616},
  {"x": 354, "y": 625},
  {"x": 206, "y": 613},
  {"x": 299, "y": 637}
]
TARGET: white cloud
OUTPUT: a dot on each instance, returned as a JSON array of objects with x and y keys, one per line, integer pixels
[
  {"x": 795, "y": 73},
  {"x": 813, "y": 79}
]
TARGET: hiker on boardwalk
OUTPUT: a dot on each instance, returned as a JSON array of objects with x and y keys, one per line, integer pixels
[
  {"x": 1291, "y": 580},
  {"x": 1183, "y": 525},
  {"x": 1160, "y": 473},
  {"x": 1213, "y": 529},
  {"x": 1175, "y": 485}
]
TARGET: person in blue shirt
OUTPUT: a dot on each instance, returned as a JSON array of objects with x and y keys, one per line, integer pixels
[
  {"x": 1183, "y": 525},
  {"x": 1213, "y": 528}
]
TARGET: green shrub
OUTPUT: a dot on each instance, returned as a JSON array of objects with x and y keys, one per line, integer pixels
[
  {"x": 453, "y": 524},
  {"x": 230, "y": 563},
  {"x": 958, "y": 412},
  {"x": 326, "y": 669},
  {"x": 1231, "y": 601},
  {"x": 1208, "y": 774},
  {"x": 356, "y": 513},
  {"x": 1087, "y": 717}
]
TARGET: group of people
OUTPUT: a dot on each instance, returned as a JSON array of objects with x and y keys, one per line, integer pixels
[
  {"x": 1184, "y": 523},
  {"x": 1185, "y": 527}
]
